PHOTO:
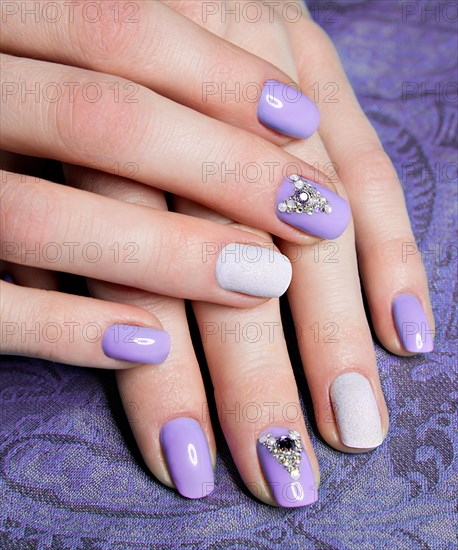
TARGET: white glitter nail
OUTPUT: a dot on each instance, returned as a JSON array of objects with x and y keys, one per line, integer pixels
[
  {"x": 356, "y": 411},
  {"x": 254, "y": 270}
]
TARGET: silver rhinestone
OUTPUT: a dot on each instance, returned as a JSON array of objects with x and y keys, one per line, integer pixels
[
  {"x": 299, "y": 184},
  {"x": 304, "y": 197},
  {"x": 328, "y": 209},
  {"x": 294, "y": 177},
  {"x": 295, "y": 474},
  {"x": 282, "y": 207},
  {"x": 262, "y": 439},
  {"x": 291, "y": 204},
  {"x": 271, "y": 441}
]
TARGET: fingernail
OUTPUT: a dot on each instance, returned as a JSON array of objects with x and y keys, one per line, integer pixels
[
  {"x": 136, "y": 344},
  {"x": 286, "y": 467},
  {"x": 188, "y": 457},
  {"x": 253, "y": 270},
  {"x": 356, "y": 411},
  {"x": 312, "y": 208},
  {"x": 284, "y": 109},
  {"x": 412, "y": 324}
]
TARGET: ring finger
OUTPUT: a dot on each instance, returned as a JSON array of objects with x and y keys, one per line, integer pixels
[{"x": 60, "y": 228}]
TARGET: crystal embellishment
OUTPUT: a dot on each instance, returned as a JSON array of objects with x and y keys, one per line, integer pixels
[
  {"x": 286, "y": 449},
  {"x": 306, "y": 199}
]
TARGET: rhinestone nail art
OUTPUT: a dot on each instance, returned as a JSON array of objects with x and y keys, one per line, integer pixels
[
  {"x": 286, "y": 449},
  {"x": 306, "y": 199}
]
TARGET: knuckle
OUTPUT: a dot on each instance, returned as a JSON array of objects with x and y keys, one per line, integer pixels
[
  {"x": 95, "y": 123},
  {"x": 105, "y": 30},
  {"x": 25, "y": 210},
  {"x": 373, "y": 167},
  {"x": 373, "y": 159},
  {"x": 388, "y": 248},
  {"x": 51, "y": 314},
  {"x": 109, "y": 185},
  {"x": 171, "y": 247}
]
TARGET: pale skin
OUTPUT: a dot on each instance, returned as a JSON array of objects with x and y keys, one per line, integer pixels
[{"x": 242, "y": 372}]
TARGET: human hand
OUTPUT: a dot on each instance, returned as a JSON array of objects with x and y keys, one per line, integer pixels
[
  {"x": 264, "y": 374},
  {"x": 247, "y": 465},
  {"x": 152, "y": 96},
  {"x": 73, "y": 126}
]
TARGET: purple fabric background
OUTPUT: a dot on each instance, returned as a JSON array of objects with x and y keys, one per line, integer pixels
[{"x": 70, "y": 479}]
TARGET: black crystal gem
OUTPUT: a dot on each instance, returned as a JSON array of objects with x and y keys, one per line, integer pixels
[{"x": 285, "y": 443}]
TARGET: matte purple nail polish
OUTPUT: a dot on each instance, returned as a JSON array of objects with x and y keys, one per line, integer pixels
[
  {"x": 136, "y": 344},
  {"x": 188, "y": 457},
  {"x": 412, "y": 324},
  {"x": 288, "y": 111},
  {"x": 286, "y": 467},
  {"x": 312, "y": 208}
]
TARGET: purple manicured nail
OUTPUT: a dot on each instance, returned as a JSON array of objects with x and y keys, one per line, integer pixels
[
  {"x": 284, "y": 109},
  {"x": 286, "y": 467},
  {"x": 188, "y": 457},
  {"x": 136, "y": 344},
  {"x": 312, "y": 208},
  {"x": 412, "y": 324}
]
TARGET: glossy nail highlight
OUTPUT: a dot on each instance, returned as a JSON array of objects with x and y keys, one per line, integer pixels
[
  {"x": 356, "y": 411},
  {"x": 312, "y": 208},
  {"x": 288, "y": 111},
  {"x": 412, "y": 324},
  {"x": 136, "y": 344},
  {"x": 188, "y": 457},
  {"x": 286, "y": 467},
  {"x": 253, "y": 270}
]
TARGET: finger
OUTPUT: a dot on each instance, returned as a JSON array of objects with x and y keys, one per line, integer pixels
[
  {"x": 160, "y": 143},
  {"x": 257, "y": 401},
  {"x": 165, "y": 406},
  {"x": 336, "y": 345},
  {"x": 189, "y": 65},
  {"x": 56, "y": 227},
  {"x": 24, "y": 275},
  {"x": 396, "y": 289},
  {"x": 77, "y": 330},
  {"x": 325, "y": 299}
]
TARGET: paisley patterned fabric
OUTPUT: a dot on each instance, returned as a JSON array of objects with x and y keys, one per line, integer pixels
[{"x": 70, "y": 474}]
